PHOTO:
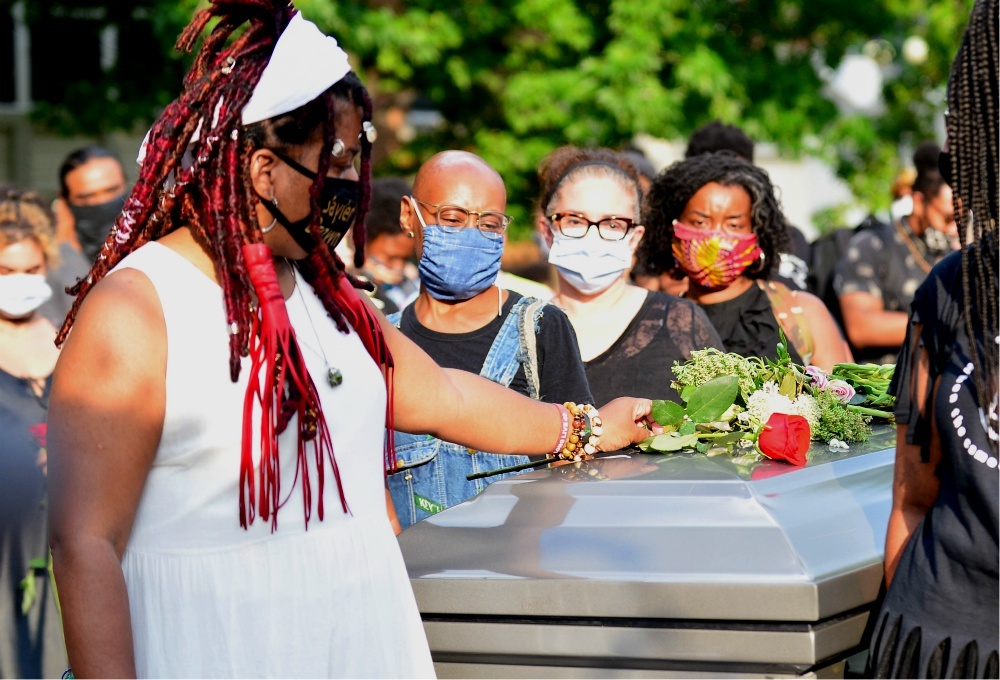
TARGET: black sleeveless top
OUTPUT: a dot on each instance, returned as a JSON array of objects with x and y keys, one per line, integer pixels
[
  {"x": 940, "y": 616},
  {"x": 747, "y": 325}
]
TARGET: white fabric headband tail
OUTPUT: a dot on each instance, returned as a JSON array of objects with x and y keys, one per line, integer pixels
[{"x": 304, "y": 64}]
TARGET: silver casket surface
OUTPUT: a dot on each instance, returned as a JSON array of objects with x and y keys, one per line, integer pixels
[{"x": 658, "y": 566}]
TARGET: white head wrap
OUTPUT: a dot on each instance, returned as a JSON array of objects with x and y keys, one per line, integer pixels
[{"x": 304, "y": 64}]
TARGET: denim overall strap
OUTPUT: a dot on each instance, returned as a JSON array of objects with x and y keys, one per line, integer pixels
[
  {"x": 432, "y": 473},
  {"x": 528, "y": 317},
  {"x": 504, "y": 356}
]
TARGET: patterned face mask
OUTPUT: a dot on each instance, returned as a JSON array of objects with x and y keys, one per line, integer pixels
[{"x": 713, "y": 259}]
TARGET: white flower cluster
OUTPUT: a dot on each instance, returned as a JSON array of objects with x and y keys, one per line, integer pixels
[{"x": 767, "y": 401}]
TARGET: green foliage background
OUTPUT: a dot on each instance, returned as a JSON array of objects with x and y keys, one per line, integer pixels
[{"x": 514, "y": 79}]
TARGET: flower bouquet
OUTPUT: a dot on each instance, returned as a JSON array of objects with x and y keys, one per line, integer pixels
[{"x": 748, "y": 407}]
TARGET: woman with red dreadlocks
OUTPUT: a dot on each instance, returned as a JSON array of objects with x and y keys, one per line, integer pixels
[{"x": 185, "y": 417}]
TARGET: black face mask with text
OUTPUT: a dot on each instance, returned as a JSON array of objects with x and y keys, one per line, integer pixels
[{"x": 339, "y": 201}]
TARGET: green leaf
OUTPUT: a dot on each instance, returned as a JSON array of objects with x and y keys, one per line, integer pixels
[
  {"x": 687, "y": 392},
  {"x": 787, "y": 387},
  {"x": 667, "y": 412},
  {"x": 688, "y": 427},
  {"x": 669, "y": 442},
  {"x": 28, "y": 596},
  {"x": 729, "y": 439},
  {"x": 712, "y": 399},
  {"x": 702, "y": 447}
]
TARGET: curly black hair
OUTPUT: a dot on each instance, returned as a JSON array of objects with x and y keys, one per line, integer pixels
[
  {"x": 674, "y": 187},
  {"x": 717, "y": 136}
]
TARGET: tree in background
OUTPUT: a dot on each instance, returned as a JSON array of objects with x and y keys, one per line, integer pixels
[{"x": 513, "y": 79}]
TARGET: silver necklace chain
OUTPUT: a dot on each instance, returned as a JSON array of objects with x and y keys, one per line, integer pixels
[{"x": 333, "y": 375}]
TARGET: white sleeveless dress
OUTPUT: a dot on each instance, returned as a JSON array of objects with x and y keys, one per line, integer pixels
[{"x": 210, "y": 599}]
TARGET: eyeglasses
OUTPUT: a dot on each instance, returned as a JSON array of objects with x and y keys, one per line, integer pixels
[
  {"x": 490, "y": 224},
  {"x": 575, "y": 225}
]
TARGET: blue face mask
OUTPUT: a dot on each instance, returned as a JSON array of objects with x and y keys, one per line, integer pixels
[{"x": 457, "y": 264}]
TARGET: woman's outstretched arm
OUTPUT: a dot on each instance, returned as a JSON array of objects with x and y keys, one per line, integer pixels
[
  {"x": 467, "y": 409},
  {"x": 104, "y": 424}
]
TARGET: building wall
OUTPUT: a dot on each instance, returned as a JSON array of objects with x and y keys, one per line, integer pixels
[{"x": 30, "y": 158}]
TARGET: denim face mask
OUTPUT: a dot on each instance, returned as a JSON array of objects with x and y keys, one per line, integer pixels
[{"x": 457, "y": 263}]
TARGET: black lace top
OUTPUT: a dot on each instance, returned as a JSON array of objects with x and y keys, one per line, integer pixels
[{"x": 664, "y": 330}]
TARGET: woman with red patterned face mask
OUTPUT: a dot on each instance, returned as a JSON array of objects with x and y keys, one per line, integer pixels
[{"x": 716, "y": 219}]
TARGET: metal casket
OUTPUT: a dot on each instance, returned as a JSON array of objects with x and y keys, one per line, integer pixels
[{"x": 658, "y": 566}]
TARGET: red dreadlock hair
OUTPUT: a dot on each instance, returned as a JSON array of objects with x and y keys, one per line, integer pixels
[{"x": 196, "y": 173}]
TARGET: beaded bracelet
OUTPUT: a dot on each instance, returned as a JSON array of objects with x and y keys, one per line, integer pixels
[
  {"x": 585, "y": 436},
  {"x": 564, "y": 429}
]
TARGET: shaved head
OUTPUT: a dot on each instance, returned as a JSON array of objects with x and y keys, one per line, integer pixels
[
  {"x": 456, "y": 178},
  {"x": 447, "y": 167}
]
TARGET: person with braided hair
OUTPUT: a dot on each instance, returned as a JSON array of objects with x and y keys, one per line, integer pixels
[
  {"x": 223, "y": 370},
  {"x": 715, "y": 217},
  {"x": 940, "y": 617}
]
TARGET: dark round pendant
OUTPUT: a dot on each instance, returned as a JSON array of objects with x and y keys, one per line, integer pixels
[{"x": 334, "y": 377}]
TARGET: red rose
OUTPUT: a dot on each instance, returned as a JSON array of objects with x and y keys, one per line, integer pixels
[
  {"x": 785, "y": 438},
  {"x": 38, "y": 433}
]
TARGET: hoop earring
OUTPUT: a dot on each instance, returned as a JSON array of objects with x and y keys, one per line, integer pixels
[{"x": 274, "y": 222}]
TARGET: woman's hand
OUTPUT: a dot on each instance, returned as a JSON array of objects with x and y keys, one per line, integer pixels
[{"x": 626, "y": 421}]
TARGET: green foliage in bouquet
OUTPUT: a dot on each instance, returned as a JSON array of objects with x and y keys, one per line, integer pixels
[{"x": 728, "y": 400}]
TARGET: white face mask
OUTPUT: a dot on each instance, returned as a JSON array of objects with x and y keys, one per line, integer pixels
[
  {"x": 590, "y": 264},
  {"x": 22, "y": 294}
]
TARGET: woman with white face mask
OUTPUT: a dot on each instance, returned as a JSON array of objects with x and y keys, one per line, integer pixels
[
  {"x": 31, "y": 641},
  {"x": 629, "y": 337}
]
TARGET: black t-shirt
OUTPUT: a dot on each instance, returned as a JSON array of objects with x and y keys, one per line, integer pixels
[
  {"x": 560, "y": 371},
  {"x": 639, "y": 363},
  {"x": 946, "y": 581},
  {"x": 747, "y": 325}
]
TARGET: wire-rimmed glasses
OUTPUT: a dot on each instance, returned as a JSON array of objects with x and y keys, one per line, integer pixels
[{"x": 490, "y": 224}]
